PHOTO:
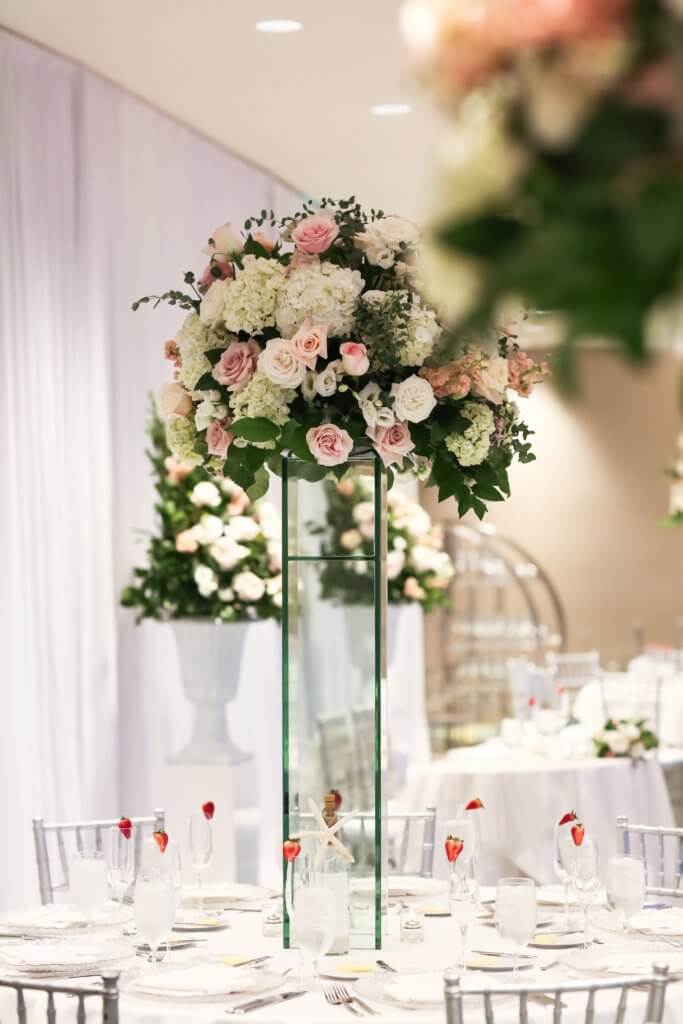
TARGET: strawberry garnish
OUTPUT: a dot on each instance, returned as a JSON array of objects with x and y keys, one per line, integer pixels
[
  {"x": 578, "y": 832},
  {"x": 566, "y": 818},
  {"x": 474, "y": 805},
  {"x": 161, "y": 839},
  {"x": 454, "y": 848},
  {"x": 291, "y": 848},
  {"x": 337, "y": 799},
  {"x": 209, "y": 809},
  {"x": 126, "y": 826},
  {"x": 531, "y": 702}
]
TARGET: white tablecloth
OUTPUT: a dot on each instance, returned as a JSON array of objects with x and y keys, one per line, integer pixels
[
  {"x": 438, "y": 951},
  {"x": 525, "y": 795}
]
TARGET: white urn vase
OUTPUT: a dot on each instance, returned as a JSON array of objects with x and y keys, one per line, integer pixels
[{"x": 210, "y": 655}]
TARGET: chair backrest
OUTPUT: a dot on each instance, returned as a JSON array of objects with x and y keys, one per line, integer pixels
[
  {"x": 635, "y": 694},
  {"x": 525, "y": 681},
  {"x": 660, "y": 849},
  {"x": 338, "y": 755},
  {"x": 107, "y": 991},
  {"x": 573, "y": 671},
  {"x": 363, "y": 717},
  {"x": 654, "y": 1013},
  {"x": 77, "y": 832}
]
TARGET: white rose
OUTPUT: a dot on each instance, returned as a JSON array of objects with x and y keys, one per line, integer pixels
[
  {"x": 206, "y": 581},
  {"x": 205, "y": 493},
  {"x": 208, "y": 529},
  {"x": 425, "y": 559},
  {"x": 242, "y": 528},
  {"x": 631, "y": 731},
  {"x": 277, "y": 600},
  {"x": 400, "y": 543},
  {"x": 373, "y": 412},
  {"x": 395, "y": 562},
  {"x": 381, "y": 240},
  {"x": 350, "y": 539},
  {"x": 397, "y": 230},
  {"x": 617, "y": 742},
  {"x": 227, "y": 594},
  {"x": 224, "y": 242},
  {"x": 414, "y": 398},
  {"x": 248, "y": 586},
  {"x": 492, "y": 380},
  {"x": 274, "y": 556},
  {"x": 274, "y": 585},
  {"x": 208, "y": 411},
  {"x": 280, "y": 364},
  {"x": 227, "y": 552},
  {"x": 212, "y": 308},
  {"x": 364, "y": 512},
  {"x": 326, "y": 381}
]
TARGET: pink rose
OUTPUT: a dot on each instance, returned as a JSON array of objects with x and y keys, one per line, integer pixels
[
  {"x": 177, "y": 471},
  {"x": 391, "y": 443},
  {"x": 237, "y": 364},
  {"x": 217, "y": 270},
  {"x": 315, "y": 234},
  {"x": 309, "y": 342},
  {"x": 413, "y": 590},
  {"x": 354, "y": 358},
  {"x": 218, "y": 439},
  {"x": 174, "y": 400},
  {"x": 186, "y": 542},
  {"x": 330, "y": 445}
]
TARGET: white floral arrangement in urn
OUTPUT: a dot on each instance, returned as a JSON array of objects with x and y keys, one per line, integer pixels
[{"x": 625, "y": 737}]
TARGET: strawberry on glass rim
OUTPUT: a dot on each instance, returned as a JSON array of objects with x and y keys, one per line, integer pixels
[
  {"x": 578, "y": 832},
  {"x": 125, "y": 826},
  {"x": 474, "y": 805},
  {"x": 208, "y": 809},
  {"x": 161, "y": 839},
  {"x": 291, "y": 848},
  {"x": 454, "y": 847},
  {"x": 337, "y": 799},
  {"x": 566, "y": 818}
]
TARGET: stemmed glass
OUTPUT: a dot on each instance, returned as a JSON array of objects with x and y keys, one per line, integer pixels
[
  {"x": 120, "y": 861},
  {"x": 463, "y": 900},
  {"x": 155, "y": 905},
  {"x": 625, "y": 879},
  {"x": 88, "y": 883},
  {"x": 200, "y": 843},
  {"x": 516, "y": 913},
  {"x": 563, "y": 859},
  {"x": 314, "y": 921},
  {"x": 586, "y": 877}
]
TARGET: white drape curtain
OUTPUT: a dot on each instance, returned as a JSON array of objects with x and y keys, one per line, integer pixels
[{"x": 101, "y": 198}]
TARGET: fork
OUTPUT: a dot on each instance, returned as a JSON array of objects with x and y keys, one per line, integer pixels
[
  {"x": 352, "y": 998},
  {"x": 334, "y": 998}
]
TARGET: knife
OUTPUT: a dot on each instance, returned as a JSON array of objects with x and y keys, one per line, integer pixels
[
  {"x": 255, "y": 1004},
  {"x": 493, "y": 952}
]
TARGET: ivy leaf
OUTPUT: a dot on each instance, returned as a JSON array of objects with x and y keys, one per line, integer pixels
[
  {"x": 255, "y": 428},
  {"x": 260, "y": 484}
]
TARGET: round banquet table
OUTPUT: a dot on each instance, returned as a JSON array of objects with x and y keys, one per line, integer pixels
[
  {"x": 525, "y": 794},
  {"x": 438, "y": 952}
]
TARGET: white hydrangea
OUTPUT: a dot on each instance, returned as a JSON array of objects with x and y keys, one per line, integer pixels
[
  {"x": 206, "y": 580},
  {"x": 194, "y": 339},
  {"x": 263, "y": 398},
  {"x": 251, "y": 299},
  {"x": 472, "y": 446},
  {"x": 322, "y": 291},
  {"x": 422, "y": 334},
  {"x": 180, "y": 437},
  {"x": 208, "y": 410}
]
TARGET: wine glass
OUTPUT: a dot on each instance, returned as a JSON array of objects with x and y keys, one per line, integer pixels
[
  {"x": 200, "y": 844},
  {"x": 154, "y": 907},
  {"x": 120, "y": 861},
  {"x": 516, "y": 913},
  {"x": 563, "y": 859},
  {"x": 463, "y": 900},
  {"x": 586, "y": 877},
  {"x": 314, "y": 921},
  {"x": 88, "y": 882},
  {"x": 625, "y": 886}
]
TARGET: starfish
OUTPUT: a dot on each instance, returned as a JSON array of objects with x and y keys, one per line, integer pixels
[{"x": 327, "y": 834}]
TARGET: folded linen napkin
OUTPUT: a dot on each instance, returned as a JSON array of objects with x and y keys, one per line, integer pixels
[
  {"x": 63, "y": 960},
  {"x": 668, "y": 921},
  {"x": 200, "y": 980}
]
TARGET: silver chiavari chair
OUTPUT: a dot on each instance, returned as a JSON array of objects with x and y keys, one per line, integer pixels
[
  {"x": 483, "y": 997},
  {"x": 77, "y": 831},
  {"x": 107, "y": 991},
  {"x": 661, "y": 851},
  {"x": 573, "y": 671},
  {"x": 338, "y": 755},
  {"x": 636, "y": 694}
]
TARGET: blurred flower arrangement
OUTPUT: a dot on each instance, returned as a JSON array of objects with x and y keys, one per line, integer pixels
[
  {"x": 216, "y": 555},
  {"x": 561, "y": 184},
  {"x": 625, "y": 737},
  {"x": 308, "y": 335},
  {"x": 675, "y": 517},
  {"x": 418, "y": 569}
]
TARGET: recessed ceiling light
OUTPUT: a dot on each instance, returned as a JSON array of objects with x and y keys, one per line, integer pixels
[
  {"x": 279, "y": 26},
  {"x": 390, "y": 109}
]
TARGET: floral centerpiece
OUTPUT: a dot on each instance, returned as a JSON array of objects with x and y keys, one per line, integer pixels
[
  {"x": 561, "y": 184},
  {"x": 625, "y": 737},
  {"x": 309, "y": 335},
  {"x": 418, "y": 569},
  {"x": 216, "y": 554}
]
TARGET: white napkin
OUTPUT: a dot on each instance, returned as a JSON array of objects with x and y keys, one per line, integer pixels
[
  {"x": 61, "y": 917},
  {"x": 67, "y": 958},
  {"x": 416, "y": 989},
  {"x": 638, "y": 963},
  {"x": 668, "y": 921},
  {"x": 200, "y": 980}
]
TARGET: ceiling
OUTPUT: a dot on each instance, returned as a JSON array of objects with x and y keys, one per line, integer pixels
[{"x": 297, "y": 105}]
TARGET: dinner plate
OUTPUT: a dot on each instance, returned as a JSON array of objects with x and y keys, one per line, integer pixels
[
  {"x": 346, "y": 970},
  {"x": 225, "y": 893},
  {"x": 622, "y": 962},
  {"x": 496, "y": 962},
  {"x": 402, "y": 886},
  {"x": 556, "y": 940}
]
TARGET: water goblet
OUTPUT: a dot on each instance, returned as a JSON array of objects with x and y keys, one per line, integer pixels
[
  {"x": 463, "y": 900},
  {"x": 314, "y": 921},
  {"x": 200, "y": 845},
  {"x": 625, "y": 878},
  {"x": 516, "y": 913},
  {"x": 154, "y": 908},
  {"x": 563, "y": 860},
  {"x": 88, "y": 883},
  {"x": 120, "y": 861},
  {"x": 586, "y": 878}
]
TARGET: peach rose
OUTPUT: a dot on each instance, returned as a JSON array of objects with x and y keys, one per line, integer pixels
[
  {"x": 177, "y": 471},
  {"x": 237, "y": 364},
  {"x": 238, "y": 503},
  {"x": 223, "y": 242},
  {"x": 174, "y": 400},
  {"x": 412, "y": 589},
  {"x": 315, "y": 234},
  {"x": 218, "y": 439},
  {"x": 217, "y": 270},
  {"x": 391, "y": 443},
  {"x": 329, "y": 444},
  {"x": 263, "y": 240},
  {"x": 186, "y": 542},
  {"x": 354, "y": 358},
  {"x": 309, "y": 342}
]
